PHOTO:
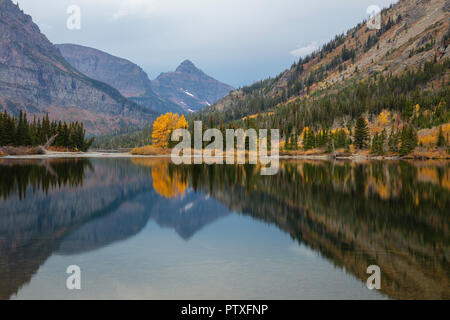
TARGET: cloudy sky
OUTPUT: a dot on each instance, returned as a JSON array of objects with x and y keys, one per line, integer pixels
[{"x": 235, "y": 41}]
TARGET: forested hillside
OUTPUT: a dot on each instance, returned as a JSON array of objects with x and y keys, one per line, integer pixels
[
  {"x": 399, "y": 73},
  {"x": 412, "y": 33}
]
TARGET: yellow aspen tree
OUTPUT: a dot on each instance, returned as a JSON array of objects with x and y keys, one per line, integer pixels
[{"x": 163, "y": 127}]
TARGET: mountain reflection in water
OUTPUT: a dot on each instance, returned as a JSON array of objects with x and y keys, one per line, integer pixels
[{"x": 392, "y": 214}]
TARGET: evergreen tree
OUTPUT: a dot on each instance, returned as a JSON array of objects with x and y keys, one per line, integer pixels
[
  {"x": 374, "y": 147},
  {"x": 309, "y": 139},
  {"x": 19, "y": 141},
  {"x": 393, "y": 141},
  {"x": 295, "y": 141},
  {"x": 59, "y": 141},
  {"x": 26, "y": 131},
  {"x": 381, "y": 142},
  {"x": 378, "y": 143},
  {"x": 10, "y": 125},
  {"x": 45, "y": 128},
  {"x": 361, "y": 137},
  {"x": 3, "y": 132},
  {"x": 20, "y": 132},
  {"x": 441, "y": 140},
  {"x": 340, "y": 139},
  {"x": 408, "y": 140},
  {"x": 287, "y": 143}
]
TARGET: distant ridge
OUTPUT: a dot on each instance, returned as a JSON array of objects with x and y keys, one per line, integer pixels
[
  {"x": 35, "y": 77},
  {"x": 122, "y": 74}
]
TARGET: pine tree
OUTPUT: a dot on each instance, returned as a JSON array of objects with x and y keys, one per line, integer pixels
[
  {"x": 393, "y": 141},
  {"x": 10, "y": 130},
  {"x": 295, "y": 141},
  {"x": 382, "y": 141},
  {"x": 441, "y": 140},
  {"x": 26, "y": 131},
  {"x": 45, "y": 128},
  {"x": 378, "y": 143},
  {"x": 59, "y": 141},
  {"x": 287, "y": 143},
  {"x": 408, "y": 140},
  {"x": 408, "y": 112},
  {"x": 2, "y": 129},
  {"x": 361, "y": 137},
  {"x": 20, "y": 132},
  {"x": 374, "y": 147},
  {"x": 340, "y": 139},
  {"x": 39, "y": 134},
  {"x": 309, "y": 139}
]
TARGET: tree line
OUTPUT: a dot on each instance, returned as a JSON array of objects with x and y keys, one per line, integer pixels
[{"x": 19, "y": 131}]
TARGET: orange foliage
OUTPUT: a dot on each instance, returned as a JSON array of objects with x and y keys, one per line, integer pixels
[{"x": 164, "y": 126}]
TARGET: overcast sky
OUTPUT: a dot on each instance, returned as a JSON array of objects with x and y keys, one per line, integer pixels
[{"x": 235, "y": 41}]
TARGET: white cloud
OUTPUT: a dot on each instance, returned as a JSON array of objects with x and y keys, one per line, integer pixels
[{"x": 303, "y": 51}]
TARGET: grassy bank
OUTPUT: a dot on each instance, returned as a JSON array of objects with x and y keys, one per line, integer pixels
[{"x": 150, "y": 151}]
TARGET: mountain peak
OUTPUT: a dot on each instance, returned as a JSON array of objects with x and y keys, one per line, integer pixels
[
  {"x": 187, "y": 66},
  {"x": 190, "y": 87}
]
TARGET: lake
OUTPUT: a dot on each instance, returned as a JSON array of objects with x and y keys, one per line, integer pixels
[{"x": 144, "y": 228}]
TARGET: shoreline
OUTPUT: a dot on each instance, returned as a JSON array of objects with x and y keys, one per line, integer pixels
[{"x": 127, "y": 155}]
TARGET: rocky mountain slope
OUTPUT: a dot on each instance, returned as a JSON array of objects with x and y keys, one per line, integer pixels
[
  {"x": 412, "y": 32},
  {"x": 127, "y": 77},
  {"x": 35, "y": 77},
  {"x": 190, "y": 87}
]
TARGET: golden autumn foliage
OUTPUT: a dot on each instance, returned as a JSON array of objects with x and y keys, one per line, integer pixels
[
  {"x": 163, "y": 127},
  {"x": 429, "y": 137},
  {"x": 384, "y": 119}
]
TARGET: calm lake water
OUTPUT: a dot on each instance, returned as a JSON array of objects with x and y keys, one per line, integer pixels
[{"x": 147, "y": 229}]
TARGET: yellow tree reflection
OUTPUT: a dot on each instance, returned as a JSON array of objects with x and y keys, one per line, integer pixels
[{"x": 166, "y": 184}]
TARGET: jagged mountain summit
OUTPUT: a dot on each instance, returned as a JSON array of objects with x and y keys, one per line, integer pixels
[
  {"x": 190, "y": 87},
  {"x": 124, "y": 75},
  {"x": 35, "y": 77}
]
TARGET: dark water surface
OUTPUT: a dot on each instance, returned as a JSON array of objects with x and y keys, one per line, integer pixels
[{"x": 147, "y": 229}]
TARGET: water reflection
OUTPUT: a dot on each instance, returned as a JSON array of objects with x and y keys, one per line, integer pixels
[
  {"x": 18, "y": 176},
  {"x": 394, "y": 215},
  {"x": 391, "y": 214}
]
